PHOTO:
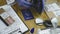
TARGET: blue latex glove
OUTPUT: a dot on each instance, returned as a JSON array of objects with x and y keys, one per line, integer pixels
[
  {"x": 38, "y": 5},
  {"x": 24, "y": 3}
]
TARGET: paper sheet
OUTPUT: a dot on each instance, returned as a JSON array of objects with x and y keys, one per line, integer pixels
[
  {"x": 48, "y": 31},
  {"x": 54, "y": 8},
  {"x": 17, "y": 24}
]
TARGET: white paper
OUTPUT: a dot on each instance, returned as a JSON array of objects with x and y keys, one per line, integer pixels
[
  {"x": 49, "y": 31},
  {"x": 45, "y": 31},
  {"x": 54, "y": 8},
  {"x": 2, "y": 25},
  {"x": 57, "y": 12},
  {"x": 17, "y": 24}
]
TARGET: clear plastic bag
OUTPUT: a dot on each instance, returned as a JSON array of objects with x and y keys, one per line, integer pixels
[{"x": 10, "y": 2}]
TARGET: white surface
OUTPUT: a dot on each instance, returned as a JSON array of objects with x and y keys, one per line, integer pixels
[
  {"x": 17, "y": 32},
  {"x": 39, "y": 21},
  {"x": 57, "y": 12},
  {"x": 54, "y": 22},
  {"x": 16, "y": 25},
  {"x": 2, "y": 25},
  {"x": 54, "y": 8},
  {"x": 49, "y": 31},
  {"x": 38, "y": 31},
  {"x": 44, "y": 31}
]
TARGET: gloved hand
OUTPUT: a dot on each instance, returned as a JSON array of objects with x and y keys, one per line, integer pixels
[
  {"x": 38, "y": 5},
  {"x": 24, "y": 3}
]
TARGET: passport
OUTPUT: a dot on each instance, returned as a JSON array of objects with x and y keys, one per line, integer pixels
[{"x": 27, "y": 14}]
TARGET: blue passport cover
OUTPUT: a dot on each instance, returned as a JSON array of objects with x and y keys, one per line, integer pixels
[{"x": 27, "y": 14}]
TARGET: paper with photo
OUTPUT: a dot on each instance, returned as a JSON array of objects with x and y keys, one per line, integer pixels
[{"x": 17, "y": 24}]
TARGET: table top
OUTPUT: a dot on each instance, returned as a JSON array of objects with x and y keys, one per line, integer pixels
[{"x": 29, "y": 23}]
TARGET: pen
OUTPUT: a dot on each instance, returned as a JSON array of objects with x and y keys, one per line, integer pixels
[{"x": 32, "y": 31}]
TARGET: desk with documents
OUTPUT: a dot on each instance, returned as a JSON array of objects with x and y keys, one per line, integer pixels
[{"x": 31, "y": 23}]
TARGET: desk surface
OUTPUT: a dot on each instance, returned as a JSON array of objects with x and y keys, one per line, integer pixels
[{"x": 30, "y": 23}]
